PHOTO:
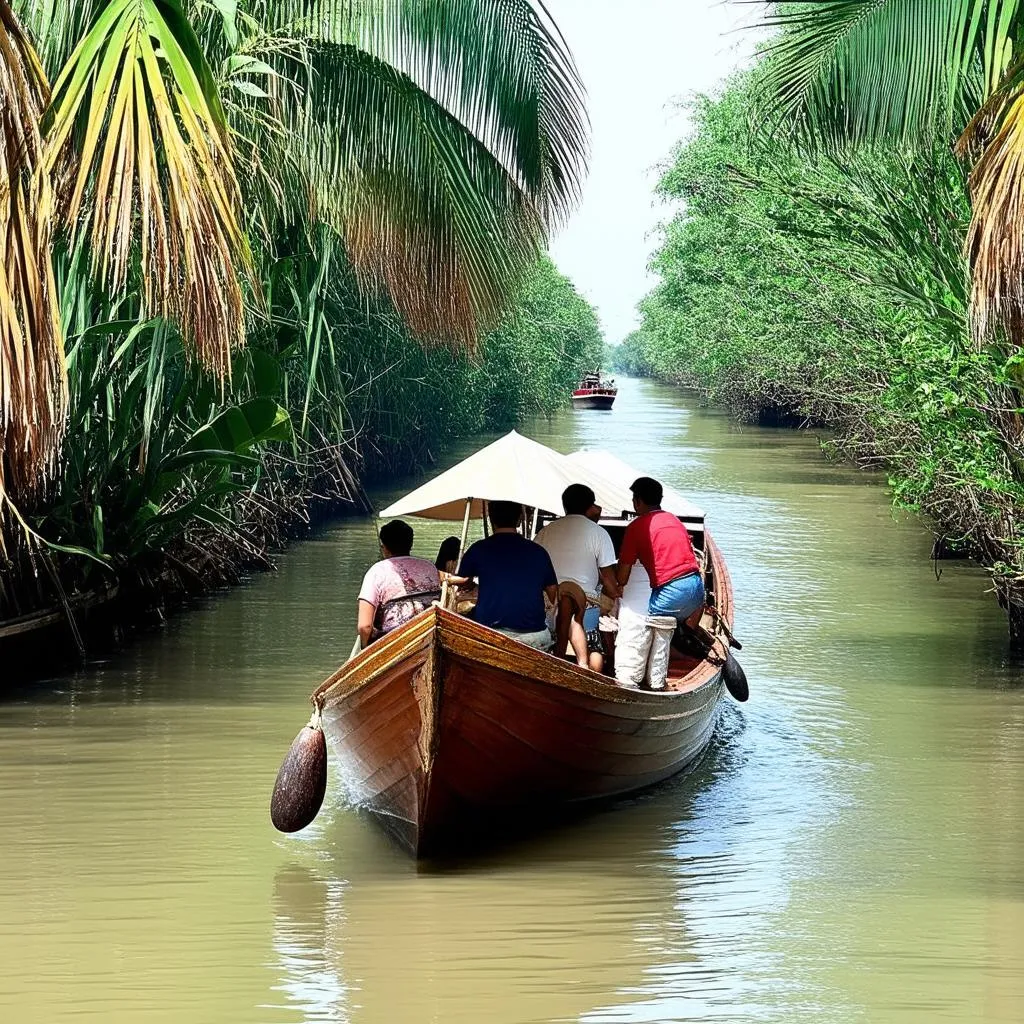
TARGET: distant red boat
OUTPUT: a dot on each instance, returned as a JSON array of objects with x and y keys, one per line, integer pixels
[{"x": 595, "y": 392}]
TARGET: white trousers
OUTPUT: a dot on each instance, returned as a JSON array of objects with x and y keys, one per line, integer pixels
[{"x": 643, "y": 648}]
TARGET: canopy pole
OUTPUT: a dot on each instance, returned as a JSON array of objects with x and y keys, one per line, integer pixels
[
  {"x": 446, "y": 586},
  {"x": 536, "y": 521},
  {"x": 465, "y": 530}
]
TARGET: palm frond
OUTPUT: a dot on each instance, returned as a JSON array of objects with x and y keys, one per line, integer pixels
[
  {"x": 501, "y": 67},
  {"x": 137, "y": 106},
  {"x": 861, "y": 71},
  {"x": 426, "y": 210},
  {"x": 33, "y": 383},
  {"x": 57, "y": 27}
]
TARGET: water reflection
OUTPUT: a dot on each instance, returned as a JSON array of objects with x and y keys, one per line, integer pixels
[
  {"x": 849, "y": 850},
  {"x": 308, "y": 912}
]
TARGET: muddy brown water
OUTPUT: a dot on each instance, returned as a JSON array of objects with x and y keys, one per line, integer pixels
[{"x": 852, "y": 848}]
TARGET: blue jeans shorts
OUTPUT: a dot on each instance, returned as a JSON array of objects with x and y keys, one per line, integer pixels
[
  {"x": 592, "y": 627},
  {"x": 678, "y": 598}
]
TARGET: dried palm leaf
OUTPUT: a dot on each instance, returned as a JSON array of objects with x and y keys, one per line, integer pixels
[
  {"x": 33, "y": 385},
  {"x": 995, "y": 241}
]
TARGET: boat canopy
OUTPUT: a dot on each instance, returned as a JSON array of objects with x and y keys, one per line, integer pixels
[
  {"x": 513, "y": 468},
  {"x": 516, "y": 468},
  {"x": 612, "y": 468}
]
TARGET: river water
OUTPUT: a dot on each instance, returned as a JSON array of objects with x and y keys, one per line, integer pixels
[{"x": 850, "y": 849}]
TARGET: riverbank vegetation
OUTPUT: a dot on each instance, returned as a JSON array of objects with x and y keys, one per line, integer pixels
[
  {"x": 816, "y": 265},
  {"x": 255, "y": 252}
]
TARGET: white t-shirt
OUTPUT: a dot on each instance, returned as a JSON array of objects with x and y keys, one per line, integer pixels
[
  {"x": 636, "y": 594},
  {"x": 579, "y": 549}
]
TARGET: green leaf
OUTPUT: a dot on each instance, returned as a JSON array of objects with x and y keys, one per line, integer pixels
[
  {"x": 242, "y": 63},
  {"x": 97, "y": 528},
  {"x": 260, "y": 370},
  {"x": 229, "y": 16},
  {"x": 249, "y": 89},
  {"x": 242, "y": 427}
]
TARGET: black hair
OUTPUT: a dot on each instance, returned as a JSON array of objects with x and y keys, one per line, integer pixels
[
  {"x": 649, "y": 491},
  {"x": 448, "y": 552},
  {"x": 504, "y": 514},
  {"x": 397, "y": 536},
  {"x": 577, "y": 499}
]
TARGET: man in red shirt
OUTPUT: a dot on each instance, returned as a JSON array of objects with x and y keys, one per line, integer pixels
[{"x": 661, "y": 544}]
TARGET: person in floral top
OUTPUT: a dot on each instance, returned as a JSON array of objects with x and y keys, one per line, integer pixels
[{"x": 397, "y": 588}]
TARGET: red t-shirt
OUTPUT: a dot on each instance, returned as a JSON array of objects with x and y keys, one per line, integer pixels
[{"x": 660, "y": 543}]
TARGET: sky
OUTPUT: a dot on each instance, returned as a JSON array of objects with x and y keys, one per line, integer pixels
[{"x": 638, "y": 60}]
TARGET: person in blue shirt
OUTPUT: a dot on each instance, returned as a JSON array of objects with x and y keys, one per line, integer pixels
[{"x": 514, "y": 575}]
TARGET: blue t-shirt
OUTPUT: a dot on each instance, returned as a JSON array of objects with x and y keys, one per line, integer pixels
[{"x": 513, "y": 573}]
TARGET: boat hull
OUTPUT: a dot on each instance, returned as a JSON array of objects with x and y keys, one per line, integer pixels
[
  {"x": 448, "y": 732},
  {"x": 593, "y": 401}
]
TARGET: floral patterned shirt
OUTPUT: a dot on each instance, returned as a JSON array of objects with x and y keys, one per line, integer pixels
[{"x": 399, "y": 589}]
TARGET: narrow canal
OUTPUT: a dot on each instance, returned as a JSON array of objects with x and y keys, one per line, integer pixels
[{"x": 850, "y": 850}]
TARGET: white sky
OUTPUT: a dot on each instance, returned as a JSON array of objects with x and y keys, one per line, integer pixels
[{"x": 637, "y": 59}]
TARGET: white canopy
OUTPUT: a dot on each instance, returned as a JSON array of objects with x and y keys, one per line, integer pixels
[
  {"x": 619, "y": 473},
  {"x": 513, "y": 468}
]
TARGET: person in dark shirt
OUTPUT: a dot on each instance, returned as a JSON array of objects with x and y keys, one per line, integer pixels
[{"x": 514, "y": 575}]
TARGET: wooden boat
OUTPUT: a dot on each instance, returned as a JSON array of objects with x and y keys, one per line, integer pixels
[
  {"x": 449, "y": 732},
  {"x": 446, "y": 730},
  {"x": 594, "y": 392}
]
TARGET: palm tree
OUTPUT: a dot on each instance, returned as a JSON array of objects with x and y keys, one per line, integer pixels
[
  {"x": 439, "y": 139},
  {"x": 910, "y": 73}
]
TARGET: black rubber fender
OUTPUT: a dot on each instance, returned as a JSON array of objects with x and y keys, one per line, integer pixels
[{"x": 735, "y": 679}]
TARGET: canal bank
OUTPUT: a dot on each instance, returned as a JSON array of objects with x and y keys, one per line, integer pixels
[{"x": 848, "y": 851}]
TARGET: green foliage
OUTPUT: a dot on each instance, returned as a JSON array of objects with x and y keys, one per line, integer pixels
[
  {"x": 162, "y": 465},
  {"x": 630, "y": 357},
  {"x": 836, "y": 288},
  {"x": 867, "y": 70},
  {"x": 363, "y": 190}
]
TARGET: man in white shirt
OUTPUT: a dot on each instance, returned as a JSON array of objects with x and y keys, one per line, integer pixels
[{"x": 584, "y": 559}]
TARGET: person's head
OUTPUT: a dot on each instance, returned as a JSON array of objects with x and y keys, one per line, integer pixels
[
  {"x": 577, "y": 499},
  {"x": 447, "y": 553},
  {"x": 396, "y": 539},
  {"x": 505, "y": 515},
  {"x": 647, "y": 494},
  {"x": 594, "y": 513}
]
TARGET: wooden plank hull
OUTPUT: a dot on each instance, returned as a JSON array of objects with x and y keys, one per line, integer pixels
[{"x": 445, "y": 730}]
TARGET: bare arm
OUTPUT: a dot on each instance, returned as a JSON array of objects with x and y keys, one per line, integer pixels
[
  {"x": 609, "y": 581},
  {"x": 364, "y": 622},
  {"x": 622, "y": 573},
  {"x": 551, "y": 593}
]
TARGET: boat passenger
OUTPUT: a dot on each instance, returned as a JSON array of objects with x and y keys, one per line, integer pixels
[
  {"x": 447, "y": 560},
  {"x": 584, "y": 560},
  {"x": 514, "y": 575},
  {"x": 660, "y": 542},
  {"x": 397, "y": 588}
]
